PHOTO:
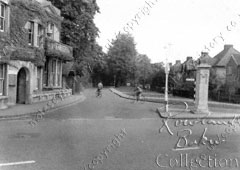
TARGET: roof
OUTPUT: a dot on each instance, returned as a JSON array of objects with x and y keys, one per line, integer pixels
[
  {"x": 236, "y": 58},
  {"x": 222, "y": 58},
  {"x": 189, "y": 64},
  {"x": 205, "y": 58},
  {"x": 177, "y": 67}
]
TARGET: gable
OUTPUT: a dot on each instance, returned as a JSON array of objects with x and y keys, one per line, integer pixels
[
  {"x": 51, "y": 10},
  {"x": 232, "y": 62},
  {"x": 5, "y": 1},
  {"x": 224, "y": 56}
]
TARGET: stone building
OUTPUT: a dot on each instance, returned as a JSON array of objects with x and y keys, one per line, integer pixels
[
  {"x": 176, "y": 70},
  {"x": 220, "y": 61},
  {"x": 189, "y": 68},
  {"x": 233, "y": 74},
  {"x": 205, "y": 59},
  {"x": 31, "y": 54}
]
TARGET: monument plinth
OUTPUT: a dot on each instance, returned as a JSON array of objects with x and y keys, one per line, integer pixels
[{"x": 201, "y": 89}]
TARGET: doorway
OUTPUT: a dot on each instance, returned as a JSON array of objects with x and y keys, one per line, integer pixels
[{"x": 22, "y": 86}]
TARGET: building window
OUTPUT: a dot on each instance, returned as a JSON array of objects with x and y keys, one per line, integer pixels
[
  {"x": 50, "y": 30},
  {"x": 54, "y": 72},
  {"x": 59, "y": 72},
  {"x": 2, "y": 77},
  {"x": 38, "y": 78},
  {"x": 45, "y": 74},
  {"x": 2, "y": 16},
  {"x": 30, "y": 28},
  {"x": 40, "y": 36}
]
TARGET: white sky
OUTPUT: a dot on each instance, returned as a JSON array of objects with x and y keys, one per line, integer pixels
[{"x": 188, "y": 25}]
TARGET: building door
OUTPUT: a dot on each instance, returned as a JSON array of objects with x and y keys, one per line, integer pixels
[{"x": 21, "y": 86}]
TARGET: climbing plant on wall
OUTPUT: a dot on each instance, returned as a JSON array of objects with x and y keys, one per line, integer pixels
[{"x": 16, "y": 40}]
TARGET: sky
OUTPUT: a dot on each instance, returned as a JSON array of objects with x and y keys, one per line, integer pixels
[{"x": 171, "y": 29}]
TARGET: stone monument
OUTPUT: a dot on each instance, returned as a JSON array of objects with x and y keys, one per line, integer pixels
[{"x": 201, "y": 89}]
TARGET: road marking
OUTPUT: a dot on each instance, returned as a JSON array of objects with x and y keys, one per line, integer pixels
[
  {"x": 17, "y": 163},
  {"x": 108, "y": 118}
]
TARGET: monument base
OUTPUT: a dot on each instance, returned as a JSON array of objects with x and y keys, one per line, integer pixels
[{"x": 200, "y": 111}]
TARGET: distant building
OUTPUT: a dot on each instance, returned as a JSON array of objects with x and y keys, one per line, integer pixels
[
  {"x": 233, "y": 74},
  {"x": 189, "y": 68},
  {"x": 176, "y": 70},
  {"x": 31, "y": 54},
  {"x": 205, "y": 58},
  {"x": 220, "y": 62}
]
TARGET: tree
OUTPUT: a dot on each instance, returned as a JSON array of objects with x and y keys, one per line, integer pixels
[
  {"x": 157, "y": 76},
  {"x": 121, "y": 59},
  {"x": 143, "y": 69}
]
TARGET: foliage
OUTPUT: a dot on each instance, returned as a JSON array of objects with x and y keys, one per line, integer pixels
[
  {"x": 33, "y": 54},
  {"x": 55, "y": 53},
  {"x": 16, "y": 40},
  {"x": 143, "y": 69},
  {"x": 157, "y": 76},
  {"x": 121, "y": 59}
]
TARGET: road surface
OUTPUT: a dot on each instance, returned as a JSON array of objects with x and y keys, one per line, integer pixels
[{"x": 111, "y": 133}]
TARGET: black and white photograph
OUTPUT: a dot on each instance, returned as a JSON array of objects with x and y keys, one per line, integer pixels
[{"x": 119, "y": 84}]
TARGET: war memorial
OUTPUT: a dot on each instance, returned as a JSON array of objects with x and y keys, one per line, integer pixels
[{"x": 191, "y": 151}]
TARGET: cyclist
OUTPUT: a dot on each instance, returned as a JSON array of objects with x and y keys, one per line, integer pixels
[
  {"x": 138, "y": 92},
  {"x": 99, "y": 89}
]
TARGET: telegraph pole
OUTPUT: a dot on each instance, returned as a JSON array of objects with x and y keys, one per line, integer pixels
[
  {"x": 167, "y": 69},
  {"x": 166, "y": 86}
]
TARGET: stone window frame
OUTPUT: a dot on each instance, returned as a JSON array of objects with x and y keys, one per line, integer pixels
[
  {"x": 40, "y": 35},
  {"x": 45, "y": 74},
  {"x": 38, "y": 77},
  {"x": 30, "y": 27},
  {"x": 3, "y": 16},
  {"x": 50, "y": 30},
  {"x": 59, "y": 65},
  {"x": 56, "y": 72},
  {"x": 2, "y": 78}
]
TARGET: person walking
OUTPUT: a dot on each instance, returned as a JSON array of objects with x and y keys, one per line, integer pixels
[{"x": 99, "y": 89}]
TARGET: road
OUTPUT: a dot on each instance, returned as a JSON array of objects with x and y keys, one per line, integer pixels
[{"x": 111, "y": 133}]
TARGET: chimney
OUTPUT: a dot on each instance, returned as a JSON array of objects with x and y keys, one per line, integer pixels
[
  {"x": 189, "y": 58},
  {"x": 178, "y": 61},
  {"x": 228, "y": 46},
  {"x": 203, "y": 54}
]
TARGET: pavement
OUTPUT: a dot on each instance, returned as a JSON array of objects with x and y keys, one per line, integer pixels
[
  {"x": 24, "y": 111},
  {"x": 217, "y": 110}
]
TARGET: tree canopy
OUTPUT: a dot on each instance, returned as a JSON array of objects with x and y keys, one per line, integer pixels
[
  {"x": 143, "y": 69},
  {"x": 121, "y": 59}
]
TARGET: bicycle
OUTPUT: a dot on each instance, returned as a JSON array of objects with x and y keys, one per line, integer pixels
[
  {"x": 141, "y": 98},
  {"x": 99, "y": 93}
]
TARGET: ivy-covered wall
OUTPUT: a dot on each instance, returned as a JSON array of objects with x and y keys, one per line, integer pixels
[
  {"x": 14, "y": 43},
  {"x": 55, "y": 53}
]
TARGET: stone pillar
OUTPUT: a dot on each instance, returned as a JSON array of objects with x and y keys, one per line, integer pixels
[
  {"x": 6, "y": 81},
  {"x": 201, "y": 89}
]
